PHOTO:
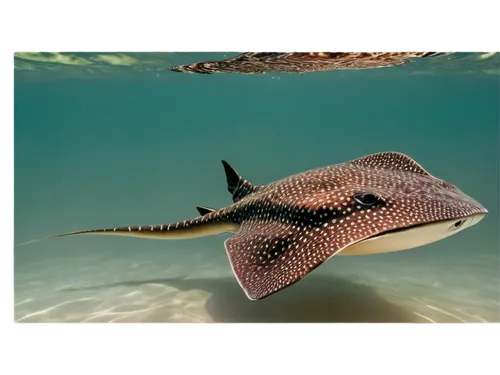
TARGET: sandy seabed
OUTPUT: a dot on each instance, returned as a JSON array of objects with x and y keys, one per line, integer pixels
[{"x": 92, "y": 289}]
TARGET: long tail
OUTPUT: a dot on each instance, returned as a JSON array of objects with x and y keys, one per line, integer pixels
[{"x": 201, "y": 226}]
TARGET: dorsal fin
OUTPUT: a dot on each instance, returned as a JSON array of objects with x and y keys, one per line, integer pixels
[
  {"x": 391, "y": 160},
  {"x": 205, "y": 210},
  {"x": 237, "y": 186}
]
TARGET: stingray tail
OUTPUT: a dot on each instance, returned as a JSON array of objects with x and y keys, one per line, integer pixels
[{"x": 214, "y": 222}]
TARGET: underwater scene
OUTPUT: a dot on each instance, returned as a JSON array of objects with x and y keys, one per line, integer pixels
[{"x": 257, "y": 187}]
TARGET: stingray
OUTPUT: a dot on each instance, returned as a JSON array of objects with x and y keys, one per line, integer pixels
[
  {"x": 300, "y": 62},
  {"x": 379, "y": 203}
]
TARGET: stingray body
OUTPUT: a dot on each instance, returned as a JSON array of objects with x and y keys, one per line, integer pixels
[
  {"x": 379, "y": 203},
  {"x": 300, "y": 62}
]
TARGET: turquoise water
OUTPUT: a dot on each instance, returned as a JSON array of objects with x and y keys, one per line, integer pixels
[{"x": 104, "y": 145}]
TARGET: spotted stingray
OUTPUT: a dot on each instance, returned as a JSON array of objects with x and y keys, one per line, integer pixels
[
  {"x": 379, "y": 203},
  {"x": 299, "y": 62}
]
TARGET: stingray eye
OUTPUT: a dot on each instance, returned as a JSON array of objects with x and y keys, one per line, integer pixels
[{"x": 366, "y": 199}]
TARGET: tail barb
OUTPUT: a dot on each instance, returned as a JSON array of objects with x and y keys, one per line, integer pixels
[{"x": 205, "y": 210}]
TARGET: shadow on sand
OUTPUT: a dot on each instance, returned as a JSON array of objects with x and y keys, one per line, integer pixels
[{"x": 318, "y": 298}]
